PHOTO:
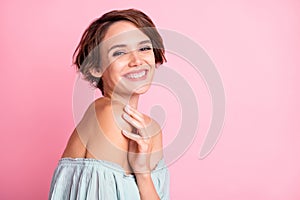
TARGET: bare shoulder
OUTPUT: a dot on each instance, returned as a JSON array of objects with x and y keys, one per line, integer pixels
[
  {"x": 109, "y": 116},
  {"x": 156, "y": 132},
  {"x": 75, "y": 147},
  {"x": 84, "y": 131},
  {"x": 157, "y": 141},
  {"x": 108, "y": 137}
]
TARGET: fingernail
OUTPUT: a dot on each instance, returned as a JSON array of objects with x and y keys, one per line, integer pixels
[
  {"x": 127, "y": 107},
  {"x": 126, "y": 116},
  {"x": 125, "y": 132}
]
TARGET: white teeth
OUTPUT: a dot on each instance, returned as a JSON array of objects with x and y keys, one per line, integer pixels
[{"x": 136, "y": 75}]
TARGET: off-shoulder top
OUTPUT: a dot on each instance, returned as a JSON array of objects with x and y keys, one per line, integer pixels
[{"x": 91, "y": 179}]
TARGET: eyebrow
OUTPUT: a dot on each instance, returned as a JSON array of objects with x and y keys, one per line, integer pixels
[{"x": 124, "y": 45}]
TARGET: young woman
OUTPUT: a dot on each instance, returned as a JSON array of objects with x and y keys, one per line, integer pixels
[{"x": 115, "y": 152}]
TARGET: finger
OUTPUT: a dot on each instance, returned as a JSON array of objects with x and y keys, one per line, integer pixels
[
  {"x": 133, "y": 112},
  {"x": 132, "y": 136},
  {"x": 136, "y": 124},
  {"x": 133, "y": 121}
]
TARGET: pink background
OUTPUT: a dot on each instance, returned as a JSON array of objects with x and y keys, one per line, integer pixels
[{"x": 255, "y": 46}]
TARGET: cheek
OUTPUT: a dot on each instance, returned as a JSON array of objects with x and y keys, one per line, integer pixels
[
  {"x": 150, "y": 58},
  {"x": 115, "y": 68}
]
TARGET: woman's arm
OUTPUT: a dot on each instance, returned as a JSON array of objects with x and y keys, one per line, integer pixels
[
  {"x": 145, "y": 150},
  {"x": 146, "y": 187}
]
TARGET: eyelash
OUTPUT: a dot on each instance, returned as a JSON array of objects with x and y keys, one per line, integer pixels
[
  {"x": 119, "y": 53},
  {"x": 146, "y": 48}
]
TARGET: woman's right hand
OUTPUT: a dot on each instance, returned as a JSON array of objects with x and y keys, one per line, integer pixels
[{"x": 142, "y": 139}]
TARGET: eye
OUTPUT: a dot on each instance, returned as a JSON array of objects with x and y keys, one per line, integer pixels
[
  {"x": 146, "y": 48},
  {"x": 118, "y": 53}
]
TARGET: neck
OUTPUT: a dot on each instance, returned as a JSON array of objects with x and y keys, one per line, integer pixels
[{"x": 125, "y": 99}]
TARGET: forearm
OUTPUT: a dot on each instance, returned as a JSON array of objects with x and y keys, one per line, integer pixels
[{"x": 146, "y": 187}]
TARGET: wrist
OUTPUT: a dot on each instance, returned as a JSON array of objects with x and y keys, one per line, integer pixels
[
  {"x": 143, "y": 176},
  {"x": 143, "y": 180}
]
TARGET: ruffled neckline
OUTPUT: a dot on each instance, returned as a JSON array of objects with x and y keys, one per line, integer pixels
[{"x": 108, "y": 164}]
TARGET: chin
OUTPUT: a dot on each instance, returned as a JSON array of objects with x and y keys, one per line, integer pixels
[{"x": 142, "y": 90}]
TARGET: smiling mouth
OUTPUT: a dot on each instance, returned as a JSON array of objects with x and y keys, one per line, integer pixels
[{"x": 136, "y": 76}]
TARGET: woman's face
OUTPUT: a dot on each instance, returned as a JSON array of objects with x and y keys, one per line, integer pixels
[{"x": 128, "y": 59}]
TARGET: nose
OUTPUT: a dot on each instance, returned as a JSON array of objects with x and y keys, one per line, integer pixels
[{"x": 135, "y": 59}]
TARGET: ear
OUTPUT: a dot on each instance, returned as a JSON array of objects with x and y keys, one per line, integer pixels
[{"x": 96, "y": 72}]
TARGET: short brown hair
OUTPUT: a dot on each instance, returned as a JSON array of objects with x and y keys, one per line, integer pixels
[{"x": 87, "y": 53}]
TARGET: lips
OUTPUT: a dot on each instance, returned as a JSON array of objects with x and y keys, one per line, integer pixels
[{"x": 137, "y": 75}]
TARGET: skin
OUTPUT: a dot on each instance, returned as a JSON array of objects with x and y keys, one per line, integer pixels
[{"x": 112, "y": 128}]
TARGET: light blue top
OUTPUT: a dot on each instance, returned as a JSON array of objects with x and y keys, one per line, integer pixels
[{"x": 91, "y": 179}]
